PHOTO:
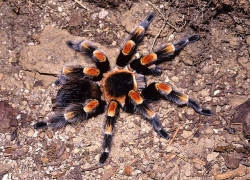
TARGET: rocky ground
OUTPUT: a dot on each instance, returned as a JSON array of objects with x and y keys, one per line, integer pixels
[{"x": 214, "y": 70}]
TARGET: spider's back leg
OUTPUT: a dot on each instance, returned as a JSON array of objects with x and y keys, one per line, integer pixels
[
  {"x": 136, "y": 37},
  {"x": 148, "y": 64},
  {"x": 75, "y": 100},
  {"x": 73, "y": 113},
  {"x": 136, "y": 103},
  {"x": 156, "y": 91}
]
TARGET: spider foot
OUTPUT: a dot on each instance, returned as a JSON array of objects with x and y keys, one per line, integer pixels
[
  {"x": 41, "y": 125},
  {"x": 104, "y": 157},
  {"x": 158, "y": 128},
  {"x": 55, "y": 122},
  {"x": 146, "y": 22},
  {"x": 192, "y": 103},
  {"x": 182, "y": 43}
]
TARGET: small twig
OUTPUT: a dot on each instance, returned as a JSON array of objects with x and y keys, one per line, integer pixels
[
  {"x": 84, "y": 7},
  {"x": 134, "y": 161},
  {"x": 177, "y": 130},
  {"x": 92, "y": 168},
  {"x": 166, "y": 20},
  {"x": 239, "y": 172},
  {"x": 163, "y": 26},
  {"x": 172, "y": 172}
]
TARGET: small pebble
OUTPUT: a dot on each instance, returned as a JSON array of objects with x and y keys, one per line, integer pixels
[
  {"x": 114, "y": 43},
  {"x": 186, "y": 134},
  {"x": 127, "y": 170},
  {"x": 30, "y": 133},
  {"x": 212, "y": 156},
  {"x": 102, "y": 14},
  {"x": 216, "y": 92},
  {"x": 204, "y": 93},
  {"x": 175, "y": 79}
]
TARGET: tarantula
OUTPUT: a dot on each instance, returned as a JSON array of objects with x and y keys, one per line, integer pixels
[{"x": 89, "y": 91}]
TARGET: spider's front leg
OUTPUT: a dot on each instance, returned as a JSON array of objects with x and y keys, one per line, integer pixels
[
  {"x": 76, "y": 73},
  {"x": 136, "y": 37},
  {"x": 155, "y": 91},
  {"x": 112, "y": 114},
  {"x": 100, "y": 59},
  {"x": 147, "y": 65},
  {"x": 136, "y": 103}
]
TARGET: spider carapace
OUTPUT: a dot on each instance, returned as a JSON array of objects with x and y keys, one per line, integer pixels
[{"x": 89, "y": 91}]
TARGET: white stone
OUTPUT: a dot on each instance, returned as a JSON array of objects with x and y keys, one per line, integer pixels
[
  {"x": 60, "y": 9},
  {"x": 102, "y": 14},
  {"x": 216, "y": 92},
  {"x": 166, "y": 79},
  {"x": 18, "y": 117},
  {"x": 161, "y": 6},
  {"x": 114, "y": 43},
  {"x": 5, "y": 177},
  {"x": 171, "y": 37}
]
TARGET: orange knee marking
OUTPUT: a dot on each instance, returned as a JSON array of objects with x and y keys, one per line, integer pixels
[
  {"x": 112, "y": 108},
  {"x": 99, "y": 56},
  {"x": 139, "y": 30},
  {"x": 91, "y": 105},
  {"x": 69, "y": 115},
  {"x": 128, "y": 47},
  {"x": 67, "y": 70},
  {"x": 135, "y": 96},
  {"x": 148, "y": 59},
  {"x": 150, "y": 112},
  {"x": 183, "y": 98},
  {"x": 108, "y": 128},
  {"x": 169, "y": 48},
  {"x": 85, "y": 45},
  {"x": 91, "y": 71},
  {"x": 163, "y": 87}
]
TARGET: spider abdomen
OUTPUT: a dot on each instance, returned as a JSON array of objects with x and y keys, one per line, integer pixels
[{"x": 119, "y": 84}]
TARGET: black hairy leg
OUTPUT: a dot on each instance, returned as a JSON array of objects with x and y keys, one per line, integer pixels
[{"x": 165, "y": 91}]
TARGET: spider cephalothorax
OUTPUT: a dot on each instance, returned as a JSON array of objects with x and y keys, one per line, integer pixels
[
  {"x": 89, "y": 91},
  {"x": 117, "y": 83}
]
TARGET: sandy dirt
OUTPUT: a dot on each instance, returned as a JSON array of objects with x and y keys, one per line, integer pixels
[{"x": 214, "y": 71}]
